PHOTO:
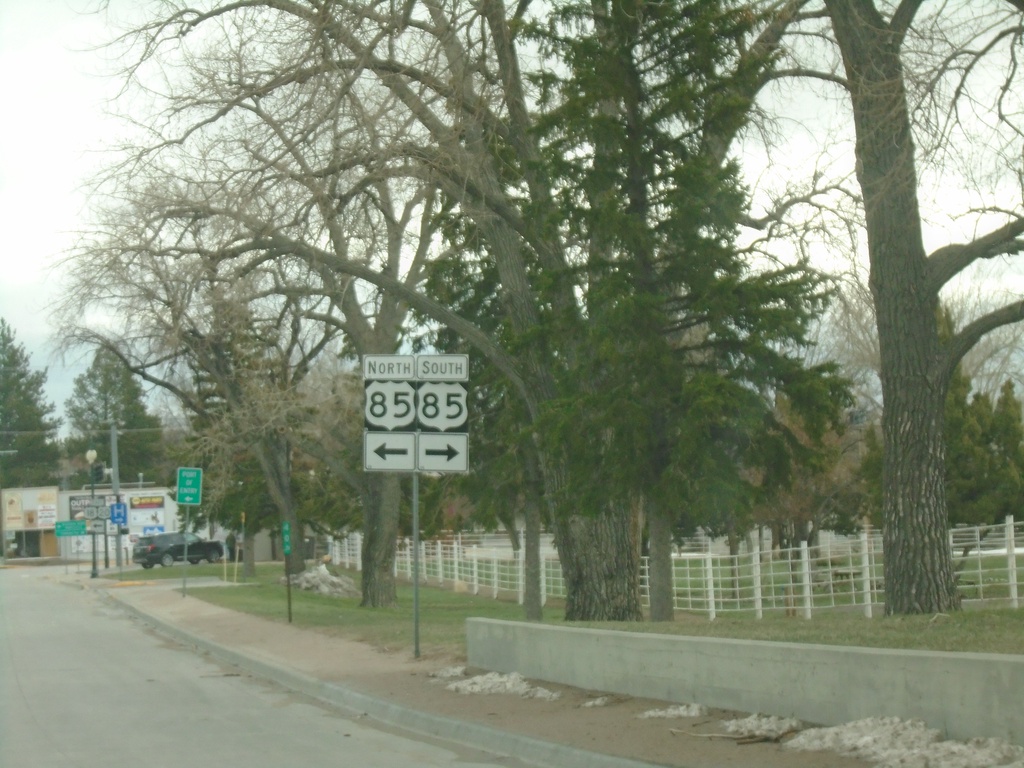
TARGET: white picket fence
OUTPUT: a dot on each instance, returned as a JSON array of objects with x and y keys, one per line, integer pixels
[{"x": 843, "y": 572}]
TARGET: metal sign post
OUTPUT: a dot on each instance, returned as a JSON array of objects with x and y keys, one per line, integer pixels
[
  {"x": 190, "y": 494},
  {"x": 286, "y": 545},
  {"x": 415, "y": 418},
  {"x": 416, "y": 564},
  {"x": 184, "y": 558},
  {"x": 65, "y": 528}
]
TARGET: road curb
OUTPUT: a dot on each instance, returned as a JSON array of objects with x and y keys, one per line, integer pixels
[{"x": 482, "y": 737}]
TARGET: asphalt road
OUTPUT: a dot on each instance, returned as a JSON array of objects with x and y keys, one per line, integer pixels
[{"x": 83, "y": 685}]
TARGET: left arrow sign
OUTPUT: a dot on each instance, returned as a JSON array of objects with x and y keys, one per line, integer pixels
[
  {"x": 389, "y": 451},
  {"x": 384, "y": 451}
]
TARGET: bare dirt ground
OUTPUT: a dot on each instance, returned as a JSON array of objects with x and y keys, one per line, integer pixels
[{"x": 613, "y": 728}]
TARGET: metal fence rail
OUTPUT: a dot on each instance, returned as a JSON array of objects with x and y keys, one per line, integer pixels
[{"x": 842, "y": 572}]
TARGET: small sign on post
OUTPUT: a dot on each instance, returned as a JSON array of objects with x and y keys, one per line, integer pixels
[
  {"x": 190, "y": 486},
  {"x": 286, "y": 545},
  {"x": 70, "y": 528},
  {"x": 286, "y": 537},
  {"x": 119, "y": 513}
]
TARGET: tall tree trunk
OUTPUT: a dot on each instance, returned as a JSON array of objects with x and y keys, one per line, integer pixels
[
  {"x": 533, "y": 600},
  {"x": 918, "y": 561},
  {"x": 919, "y": 574},
  {"x": 249, "y": 555},
  {"x": 659, "y": 570},
  {"x": 274, "y": 453},
  {"x": 381, "y": 503},
  {"x": 600, "y": 558}
]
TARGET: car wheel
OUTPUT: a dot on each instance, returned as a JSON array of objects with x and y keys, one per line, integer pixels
[
  {"x": 213, "y": 557},
  {"x": 167, "y": 561},
  {"x": 147, "y": 566}
]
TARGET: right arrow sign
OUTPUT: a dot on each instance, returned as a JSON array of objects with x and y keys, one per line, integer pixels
[{"x": 442, "y": 452}]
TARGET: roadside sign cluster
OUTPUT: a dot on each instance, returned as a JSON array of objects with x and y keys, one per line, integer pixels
[{"x": 415, "y": 413}]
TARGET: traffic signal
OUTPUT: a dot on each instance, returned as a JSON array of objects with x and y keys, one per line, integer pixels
[{"x": 96, "y": 472}]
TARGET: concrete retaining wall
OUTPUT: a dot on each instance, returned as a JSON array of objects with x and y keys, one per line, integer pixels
[{"x": 962, "y": 694}]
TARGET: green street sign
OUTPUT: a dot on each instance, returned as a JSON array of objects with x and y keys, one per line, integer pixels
[
  {"x": 190, "y": 486},
  {"x": 286, "y": 537},
  {"x": 70, "y": 528}
]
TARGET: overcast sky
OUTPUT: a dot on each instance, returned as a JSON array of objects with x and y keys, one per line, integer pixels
[{"x": 50, "y": 136}]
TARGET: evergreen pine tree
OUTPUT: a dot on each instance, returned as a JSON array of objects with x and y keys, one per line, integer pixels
[
  {"x": 27, "y": 422},
  {"x": 108, "y": 394}
]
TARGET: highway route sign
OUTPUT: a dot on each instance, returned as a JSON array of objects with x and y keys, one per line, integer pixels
[
  {"x": 390, "y": 405},
  {"x": 441, "y": 406},
  {"x": 96, "y": 510},
  {"x": 416, "y": 412}
]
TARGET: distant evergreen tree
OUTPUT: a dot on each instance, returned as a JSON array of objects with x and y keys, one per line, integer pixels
[
  {"x": 1007, "y": 441},
  {"x": 107, "y": 393},
  {"x": 27, "y": 422},
  {"x": 984, "y": 457}
]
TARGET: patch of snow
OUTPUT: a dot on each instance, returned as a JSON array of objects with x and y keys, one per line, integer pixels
[
  {"x": 680, "y": 710},
  {"x": 448, "y": 673},
  {"x": 763, "y": 725},
  {"x": 600, "y": 701},
  {"x": 494, "y": 682},
  {"x": 323, "y": 582},
  {"x": 895, "y": 743}
]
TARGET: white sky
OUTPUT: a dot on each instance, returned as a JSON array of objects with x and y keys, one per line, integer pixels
[{"x": 50, "y": 134}]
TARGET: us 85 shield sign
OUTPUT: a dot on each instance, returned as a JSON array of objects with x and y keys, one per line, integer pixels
[
  {"x": 400, "y": 406},
  {"x": 441, "y": 406},
  {"x": 390, "y": 405}
]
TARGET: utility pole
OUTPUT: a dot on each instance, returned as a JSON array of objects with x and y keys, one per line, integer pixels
[
  {"x": 90, "y": 456},
  {"x": 3, "y": 539},
  {"x": 115, "y": 484}
]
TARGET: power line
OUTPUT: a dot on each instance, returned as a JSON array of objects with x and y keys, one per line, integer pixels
[{"x": 120, "y": 431}]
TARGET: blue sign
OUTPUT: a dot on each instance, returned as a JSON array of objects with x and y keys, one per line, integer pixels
[
  {"x": 151, "y": 529},
  {"x": 119, "y": 513}
]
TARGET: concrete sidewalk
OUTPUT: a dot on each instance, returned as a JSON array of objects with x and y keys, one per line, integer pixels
[
  {"x": 401, "y": 692},
  {"x": 155, "y": 611}
]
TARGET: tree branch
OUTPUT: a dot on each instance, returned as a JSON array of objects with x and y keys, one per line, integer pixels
[
  {"x": 948, "y": 261},
  {"x": 969, "y": 335}
]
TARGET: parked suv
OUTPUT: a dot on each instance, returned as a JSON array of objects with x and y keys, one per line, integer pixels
[{"x": 165, "y": 548}]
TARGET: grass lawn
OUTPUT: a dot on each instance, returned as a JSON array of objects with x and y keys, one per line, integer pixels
[{"x": 443, "y": 614}]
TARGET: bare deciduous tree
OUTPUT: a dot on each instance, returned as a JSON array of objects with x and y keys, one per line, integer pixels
[{"x": 935, "y": 101}]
